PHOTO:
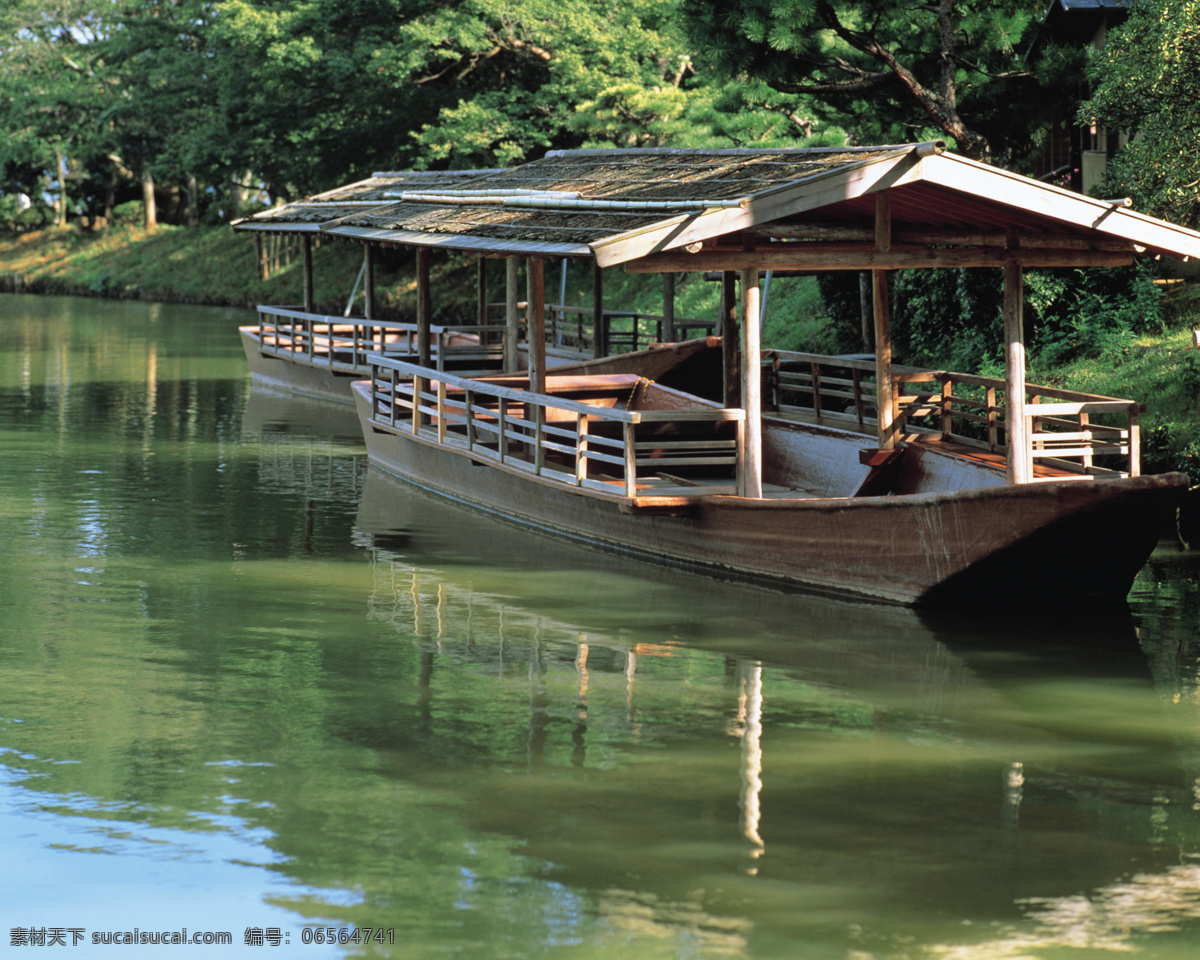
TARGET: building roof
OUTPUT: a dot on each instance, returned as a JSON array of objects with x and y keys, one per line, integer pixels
[
  {"x": 380, "y": 189},
  {"x": 622, "y": 206}
]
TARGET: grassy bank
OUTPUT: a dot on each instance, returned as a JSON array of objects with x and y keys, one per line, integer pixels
[
  {"x": 186, "y": 265},
  {"x": 215, "y": 265}
]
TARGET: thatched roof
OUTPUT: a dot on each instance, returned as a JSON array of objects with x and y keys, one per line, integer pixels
[
  {"x": 639, "y": 206},
  {"x": 592, "y": 196},
  {"x": 381, "y": 189}
]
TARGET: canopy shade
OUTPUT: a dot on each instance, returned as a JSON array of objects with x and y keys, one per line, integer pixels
[{"x": 804, "y": 209}]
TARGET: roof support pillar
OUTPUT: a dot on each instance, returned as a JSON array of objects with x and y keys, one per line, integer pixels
[
  {"x": 369, "y": 281},
  {"x": 424, "y": 309},
  {"x": 864, "y": 305},
  {"x": 1019, "y": 468},
  {"x": 668, "y": 324},
  {"x": 729, "y": 341},
  {"x": 750, "y": 461},
  {"x": 512, "y": 319},
  {"x": 885, "y": 394},
  {"x": 306, "y": 251},
  {"x": 481, "y": 302},
  {"x": 599, "y": 325},
  {"x": 535, "y": 323}
]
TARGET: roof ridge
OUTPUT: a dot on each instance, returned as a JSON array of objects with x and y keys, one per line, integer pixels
[{"x": 735, "y": 151}]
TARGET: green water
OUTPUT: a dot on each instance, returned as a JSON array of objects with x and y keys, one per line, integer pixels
[{"x": 249, "y": 684}]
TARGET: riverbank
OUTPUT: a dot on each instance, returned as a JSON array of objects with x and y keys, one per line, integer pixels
[
  {"x": 215, "y": 265},
  {"x": 205, "y": 265}
]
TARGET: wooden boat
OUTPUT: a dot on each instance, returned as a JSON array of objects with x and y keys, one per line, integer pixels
[
  {"x": 914, "y": 486},
  {"x": 297, "y": 349},
  {"x": 638, "y": 468}
]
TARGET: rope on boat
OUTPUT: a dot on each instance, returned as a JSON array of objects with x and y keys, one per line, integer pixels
[{"x": 633, "y": 392}]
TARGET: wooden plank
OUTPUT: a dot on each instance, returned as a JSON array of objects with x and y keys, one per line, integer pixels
[
  {"x": 926, "y": 236},
  {"x": 1071, "y": 409},
  {"x": 884, "y": 472}
]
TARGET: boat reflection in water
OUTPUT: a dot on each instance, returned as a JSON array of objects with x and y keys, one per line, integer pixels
[{"x": 765, "y": 770}]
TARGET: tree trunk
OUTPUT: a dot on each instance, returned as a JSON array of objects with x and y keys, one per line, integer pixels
[
  {"x": 61, "y": 204},
  {"x": 193, "y": 201},
  {"x": 151, "y": 210}
]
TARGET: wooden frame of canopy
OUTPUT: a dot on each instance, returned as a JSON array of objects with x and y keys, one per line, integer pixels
[{"x": 873, "y": 209}]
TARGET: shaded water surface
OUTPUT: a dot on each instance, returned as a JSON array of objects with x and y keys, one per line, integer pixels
[{"x": 250, "y": 685}]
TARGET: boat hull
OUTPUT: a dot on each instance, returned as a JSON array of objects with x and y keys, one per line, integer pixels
[
  {"x": 1028, "y": 545},
  {"x": 297, "y": 376}
]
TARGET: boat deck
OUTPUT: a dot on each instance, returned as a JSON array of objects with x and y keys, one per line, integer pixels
[{"x": 933, "y": 441}]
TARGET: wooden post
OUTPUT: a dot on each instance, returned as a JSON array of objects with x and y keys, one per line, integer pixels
[
  {"x": 750, "y": 484},
  {"x": 989, "y": 398},
  {"x": 535, "y": 323},
  {"x": 368, "y": 281},
  {"x": 668, "y": 327},
  {"x": 424, "y": 309},
  {"x": 864, "y": 306},
  {"x": 1019, "y": 464},
  {"x": 501, "y": 428},
  {"x": 599, "y": 327},
  {"x": 469, "y": 414},
  {"x": 306, "y": 250},
  {"x": 1135, "y": 443},
  {"x": 947, "y": 402},
  {"x": 729, "y": 340},
  {"x": 441, "y": 411},
  {"x": 418, "y": 385},
  {"x": 512, "y": 320},
  {"x": 262, "y": 261},
  {"x": 481, "y": 310},
  {"x": 581, "y": 448},
  {"x": 630, "y": 460},
  {"x": 884, "y": 389},
  {"x": 535, "y": 331}
]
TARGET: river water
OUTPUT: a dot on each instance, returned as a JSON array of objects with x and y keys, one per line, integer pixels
[{"x": 250, "y": 685}]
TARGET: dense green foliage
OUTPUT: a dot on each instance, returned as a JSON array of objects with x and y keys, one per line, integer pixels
[
  {"x": 214, "y": 101},
  {"x": 886, "y": 70},
  {"x": 1148, "y": 83}
]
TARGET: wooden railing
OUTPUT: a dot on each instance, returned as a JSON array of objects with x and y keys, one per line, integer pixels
[
  {"x": 964, "y": 409},
  {"x": 573, "y": 328},
  {"x": 347, "y": 343},
  {"x": 580, "y": 444}
]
